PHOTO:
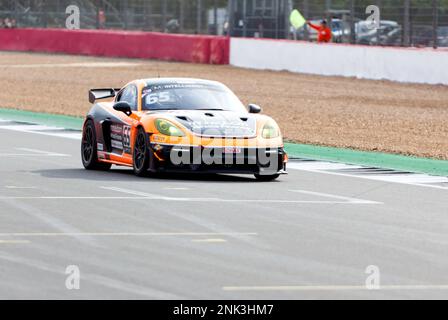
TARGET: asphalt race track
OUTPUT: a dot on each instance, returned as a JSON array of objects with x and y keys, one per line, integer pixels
[{"x": 308, "y": 235}]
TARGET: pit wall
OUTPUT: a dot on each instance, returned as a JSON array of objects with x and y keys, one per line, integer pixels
[
  {"x": 412, "y": 65},
  {"x": 143, "y": 45}
]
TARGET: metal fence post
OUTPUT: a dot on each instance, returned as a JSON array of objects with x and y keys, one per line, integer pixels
[
  {"x": 44, "y": 12},
  {"x": 148, "y": 14},
  {"x": 379, "y": 3},
  {"x": 164, "y": 14},
  {"x": 125, "y": 14},
  {"x": 230, "y": 18},
  {"x": 181, "y": 15},
  {"x": 97, "y": 12},
  {"x": 199, "y": 16},
  {"x": 406, "y": 23},
  {"x": 435, "y": 22},
  {"x": 215, "y": 16},
  {"x": 244, "y": 18},
  {"x": 16, "y": 11},
  {"x": 352, "y": 22},
  {"x": 289, "y": 6},
  {"x": 306, "y": 13}
]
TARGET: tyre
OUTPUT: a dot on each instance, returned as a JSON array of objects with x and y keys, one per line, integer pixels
[
  {"x": 266, "y": 178},
  {"x": 89, "y": 153},
  {"x": 141, "y": 154}
]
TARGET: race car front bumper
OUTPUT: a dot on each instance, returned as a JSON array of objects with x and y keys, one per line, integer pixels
[{"x": 264, "y": 161}]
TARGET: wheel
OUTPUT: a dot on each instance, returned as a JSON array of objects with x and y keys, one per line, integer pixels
[
  {"x": 141, "y": 155},
  {"x": 267, "y": 178},
  {"x": 89, "y": 153}
]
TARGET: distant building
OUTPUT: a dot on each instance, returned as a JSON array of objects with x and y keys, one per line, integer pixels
[{"x": 259, "y": 18}]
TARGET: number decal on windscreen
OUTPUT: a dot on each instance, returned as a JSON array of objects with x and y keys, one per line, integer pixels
[{"x": 160, "y": 97}]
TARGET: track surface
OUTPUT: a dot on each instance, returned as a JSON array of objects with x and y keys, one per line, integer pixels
[{"x": 309, "y": 235}]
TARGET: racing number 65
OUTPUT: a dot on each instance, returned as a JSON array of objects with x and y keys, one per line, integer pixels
[
  {"x": 126, "y": 136},
  {"x": 158, "y": 98}
]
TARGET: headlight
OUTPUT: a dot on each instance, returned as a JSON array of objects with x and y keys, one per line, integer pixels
[
  {"x": 167, "y": 128},
  {"x": 270, "y": 131}
]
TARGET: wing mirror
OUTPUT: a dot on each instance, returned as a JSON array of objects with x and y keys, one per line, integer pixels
[
  {"x": 124, "y": 107},
  {"x": 253, "y": 108}
]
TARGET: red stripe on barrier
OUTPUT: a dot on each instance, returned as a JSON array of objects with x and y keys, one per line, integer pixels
[{"x": 143, "y": 45}]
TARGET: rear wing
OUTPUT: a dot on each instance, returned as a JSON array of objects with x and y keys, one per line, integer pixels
[{"x": 98, "y": 94}]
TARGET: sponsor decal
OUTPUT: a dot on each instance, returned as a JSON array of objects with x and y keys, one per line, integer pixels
[
  {"x": 120, "y": 138},
  {"x": 117, "y": 144},
  {"x": 117, "y": 136},
  {"x": 157, "y": 138},
  {"x": 224, "y": 128},
  {"x": 100, "y": 147},
  {"x": 232, "y": 150},
  {"x": 171, "y": 86}
]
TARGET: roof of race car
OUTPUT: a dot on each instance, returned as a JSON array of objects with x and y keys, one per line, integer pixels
[{"x": 157, "y": 81}]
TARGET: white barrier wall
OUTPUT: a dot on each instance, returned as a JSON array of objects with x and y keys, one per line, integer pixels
[{"x": 397, "y": 64}]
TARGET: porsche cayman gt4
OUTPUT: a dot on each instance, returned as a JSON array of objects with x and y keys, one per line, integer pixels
[{"x": 180, "y": 125}]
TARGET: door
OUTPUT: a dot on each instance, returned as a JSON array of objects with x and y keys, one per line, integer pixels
[{"x": 120, "y": 127}]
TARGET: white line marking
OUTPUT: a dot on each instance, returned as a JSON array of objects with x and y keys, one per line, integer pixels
[
  {"x": 34, "y": 150},
  {"x": 327, "y": 195},
  {"x": 209, "y": 240},
  {"x": 389, "y": 178},
  {"x": 150, "y": 196},
  {"x": 16, "y": 187},
  {"x": 74, "y": 198},
  {"x": 44, "y": 153},
  {"x": 322, "y": 165},
  {"x": 335, "y": 288},
  {"x": 127, "y": 234},
  {"x": 142, "y": 194},
  {"x": 412, "y": 178},
  {"x": 14, "y": 241},
  {"x": 188, "y": 200},
  {"x": 176, "y": 188},
  {"x": 31, "y": 155},
  {"x": 31, "y": 128}
]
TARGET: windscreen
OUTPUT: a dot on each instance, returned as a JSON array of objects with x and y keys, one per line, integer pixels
[{"x": 190, "y": 96}]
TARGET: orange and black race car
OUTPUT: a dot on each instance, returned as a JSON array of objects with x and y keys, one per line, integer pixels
[{"x": 180, "y": 125}]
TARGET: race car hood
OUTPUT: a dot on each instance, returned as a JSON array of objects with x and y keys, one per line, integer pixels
[{"x": 216, "y": 123}]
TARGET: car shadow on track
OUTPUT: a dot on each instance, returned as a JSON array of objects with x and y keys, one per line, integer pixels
[{"x": 128, "y": 176}]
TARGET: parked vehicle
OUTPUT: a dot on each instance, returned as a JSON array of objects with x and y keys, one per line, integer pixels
[
  {"x": 365, "y": 35},
  {"x": 442, "y": 36},
  {"x": 393, "y": 38}
]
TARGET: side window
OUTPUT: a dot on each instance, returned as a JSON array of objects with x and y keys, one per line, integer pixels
[{"x": 129, "y": 95}]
